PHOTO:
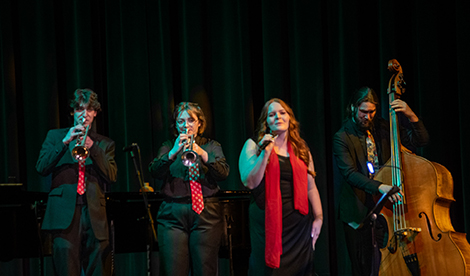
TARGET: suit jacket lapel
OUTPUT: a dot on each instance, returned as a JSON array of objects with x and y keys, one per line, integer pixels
[{"x": 359, "y": 141}]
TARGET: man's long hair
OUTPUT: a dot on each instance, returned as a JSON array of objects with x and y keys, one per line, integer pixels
[
  {"x": 362, "y": 95},
  {"x": 299, "y": 146}
]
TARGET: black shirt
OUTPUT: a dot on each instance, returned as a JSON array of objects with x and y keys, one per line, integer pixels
[{"x": 176, "y": 177}]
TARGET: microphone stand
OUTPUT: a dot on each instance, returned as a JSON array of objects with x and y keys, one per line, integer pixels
[
  {"x": 371, "y": 218},
  {"x": 147, "y": 206}
]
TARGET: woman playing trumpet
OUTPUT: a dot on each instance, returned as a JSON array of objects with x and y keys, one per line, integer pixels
[{"x": 189, "y": 226}]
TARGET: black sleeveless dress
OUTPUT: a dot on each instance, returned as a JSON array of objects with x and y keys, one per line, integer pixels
[{"x": 297, "y": 251}]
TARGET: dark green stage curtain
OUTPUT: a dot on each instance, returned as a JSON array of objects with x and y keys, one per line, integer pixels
[{"x": 143, "y": 57}]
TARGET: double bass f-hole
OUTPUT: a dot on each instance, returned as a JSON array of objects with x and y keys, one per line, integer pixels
[{"x": 429, "y": 227}]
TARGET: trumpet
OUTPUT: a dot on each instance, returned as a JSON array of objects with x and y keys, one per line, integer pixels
[
  {"x": 80, "y": 151},
  {"x": 189, "y": 156}
]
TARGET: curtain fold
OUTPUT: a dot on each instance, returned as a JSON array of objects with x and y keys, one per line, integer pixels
[{"x": 143, "y": 57}]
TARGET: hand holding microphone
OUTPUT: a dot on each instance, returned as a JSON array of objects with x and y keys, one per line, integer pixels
[{"x": 267, "y": 139}]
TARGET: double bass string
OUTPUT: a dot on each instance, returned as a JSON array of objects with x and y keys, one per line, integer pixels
[{"x": 399, "y": 221}]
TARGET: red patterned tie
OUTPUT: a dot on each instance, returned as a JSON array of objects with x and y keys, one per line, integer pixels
[
  {"x": 81, "y": 177},
  {"x": 196, "y": 192}
]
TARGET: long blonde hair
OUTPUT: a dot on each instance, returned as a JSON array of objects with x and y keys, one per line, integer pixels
[{"x": 299, "y": 146}]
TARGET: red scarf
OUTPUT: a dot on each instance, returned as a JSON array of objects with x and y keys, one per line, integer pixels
[{"x": 273, "y": 214}]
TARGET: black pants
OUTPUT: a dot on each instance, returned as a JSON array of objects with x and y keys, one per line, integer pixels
[
  {"x": 360, "y": 248},
  {"x": 188, "y": 241},
  {"x": 77, "y": 247}
]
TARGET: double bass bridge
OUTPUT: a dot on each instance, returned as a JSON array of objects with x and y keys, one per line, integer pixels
[{"x": 404, "y": 238}]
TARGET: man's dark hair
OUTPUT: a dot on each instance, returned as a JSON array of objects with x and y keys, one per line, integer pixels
[
  {"x": 85, "y": 97},
  {"x": 362, "y": 95}
]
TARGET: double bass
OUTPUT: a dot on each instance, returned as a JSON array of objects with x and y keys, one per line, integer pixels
[{"x": 421, "y": 239}]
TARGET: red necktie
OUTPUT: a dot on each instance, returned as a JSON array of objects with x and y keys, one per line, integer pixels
[
  {"x": 81, "y": 177},
  {"x": 196, "y": 191}
]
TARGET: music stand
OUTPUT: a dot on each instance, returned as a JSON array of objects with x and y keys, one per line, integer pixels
[
  {"x": 144, "y": 196},
  {"x": 371, "y": 218}
]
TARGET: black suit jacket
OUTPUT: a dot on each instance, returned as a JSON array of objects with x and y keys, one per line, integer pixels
[
  {"x": 350, "y": 152},
  {"x": 55, "y": 158}
]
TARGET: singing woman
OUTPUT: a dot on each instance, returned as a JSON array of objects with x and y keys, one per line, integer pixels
[{"x": 285, "y": 211}]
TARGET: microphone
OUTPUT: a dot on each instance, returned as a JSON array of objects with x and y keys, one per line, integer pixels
[
  {"x": 130, "y": 147},
  {"x": 266, "y": 143}
]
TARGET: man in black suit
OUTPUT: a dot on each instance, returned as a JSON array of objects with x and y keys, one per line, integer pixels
[
  {"x": 365, "y": 138},
  {"x": 77, "y": 220}
]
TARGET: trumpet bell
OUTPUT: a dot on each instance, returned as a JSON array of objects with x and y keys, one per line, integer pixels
[
  {"x": 80, "y": 153},
  {"x": 188, "y": 158}
]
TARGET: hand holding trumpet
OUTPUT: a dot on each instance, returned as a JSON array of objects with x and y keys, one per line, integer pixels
[
  {"x": 79, "y": 132},
  {"x": 78, "y": 129},
  {"x": 183, "y": 142},
  {"x": 73, "y": 133},
  {"x": 180, "y": 142}
]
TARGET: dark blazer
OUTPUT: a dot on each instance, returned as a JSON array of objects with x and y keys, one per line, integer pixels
[
  {"x": 350, "y": 152},
  {"x": 55, "y": 158}
]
